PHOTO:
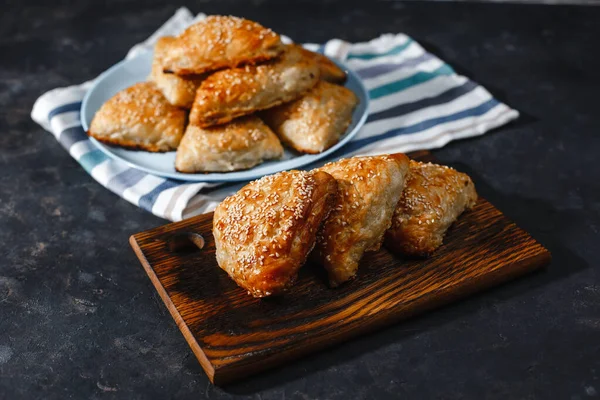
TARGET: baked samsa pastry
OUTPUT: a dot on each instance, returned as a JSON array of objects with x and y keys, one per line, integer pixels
[
  {"x": 316, "y": 121},
  {"x": 179, "y": 91},
  {"x": 231, "y": 93},
  {"x": 264, "y": 232},
  {"x": 329, "y": 71},
  {"x": 139, "y": 117},
  {"x": 219, "y": 42},
  {"x": 240, "y": 144},
  {"x": 433, "y": 198},
  {"x": 368, "y": 190}
]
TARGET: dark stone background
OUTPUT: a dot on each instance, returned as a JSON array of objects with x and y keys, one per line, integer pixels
[{"x": 79, "y": 318}]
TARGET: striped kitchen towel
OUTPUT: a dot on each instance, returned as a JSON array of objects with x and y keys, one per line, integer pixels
[{"x": 417, "y": 101}]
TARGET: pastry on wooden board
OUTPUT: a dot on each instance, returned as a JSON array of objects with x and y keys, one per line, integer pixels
[
  {"x": 219, "y": 42},
  {"x": 368, "y": 190},
  {"x": 264, "y": 232},
  {"x": 139, "y": 117},
  {"x": 434, "y": 197},
  {"x": 316, "y": 121},
  {"x": 239, "y": 144},
  {"x": 179, "y": 91},
  {"x": 234, "y": 92},
  {"x": 329, "y": 71}
]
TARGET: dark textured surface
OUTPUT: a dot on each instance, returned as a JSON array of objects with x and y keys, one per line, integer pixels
[{"x": 79, "y": 317}]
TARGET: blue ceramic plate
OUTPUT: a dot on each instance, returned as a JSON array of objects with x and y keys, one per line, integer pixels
[{"x": 128, "y": 72}]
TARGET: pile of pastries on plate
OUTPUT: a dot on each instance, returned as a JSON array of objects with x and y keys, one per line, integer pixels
[
  {"x": 333, "y": 215},
  {"x": 226, "y": 93}
]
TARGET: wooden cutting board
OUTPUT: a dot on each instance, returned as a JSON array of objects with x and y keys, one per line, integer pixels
[{"x": 234, "y": 335}]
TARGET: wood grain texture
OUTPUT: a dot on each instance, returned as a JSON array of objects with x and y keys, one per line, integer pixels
[{"x": 234, "y": 335}]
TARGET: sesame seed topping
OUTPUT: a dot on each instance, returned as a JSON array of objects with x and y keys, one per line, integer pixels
[
  {"x": 221, "y": 40},
  {"x": 262, "y": 219},
  {"x": 431, "y": 195}
]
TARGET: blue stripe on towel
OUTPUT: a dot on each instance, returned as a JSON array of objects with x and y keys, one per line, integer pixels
[
  {"x": 70, "y": 136},
  {"x": 379, "y": 69},
  {"x": 421, "y": 126},
  {"x": 63, "y": 109},
  {"x": 126, "y": 179},
  {"x": 148, "y": 200},
  {"x": 445, "y": 97}
]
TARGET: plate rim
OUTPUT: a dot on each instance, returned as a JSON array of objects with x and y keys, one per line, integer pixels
[{"x": 234, "y": 176}]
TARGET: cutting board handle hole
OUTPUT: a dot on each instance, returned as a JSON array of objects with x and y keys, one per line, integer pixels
[{"x": 186, "y": 241}]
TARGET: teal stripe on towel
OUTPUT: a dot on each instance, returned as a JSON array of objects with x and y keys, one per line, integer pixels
[
  {"x": 416, "y": 79},
  {"x": 89, "y": 160}
]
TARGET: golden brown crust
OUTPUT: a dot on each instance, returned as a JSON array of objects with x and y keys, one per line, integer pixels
[
  {"x": 179, "y": 91},
  {"x": 235, "y": 92},
  {"x": 329, "y": 71},
  {"x": 316, "y": 121},
  {"x": 433, "y": 198},
  {"x": 219, "y": 42},
  {"x": 264, "y": 232},
  {"x": 240, "y": 144},
  {"x": 368, "y": 191},
  {"x": 139, "y": 117}
]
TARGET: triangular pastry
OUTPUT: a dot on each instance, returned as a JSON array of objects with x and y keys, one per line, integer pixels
[
  {"x": 139, "y": 117},
  {"x": 219, "y": 42},
  {"x": 368, "y": 190},
  {"x": 316, "y": 121},
  {"x": 231, "y": 93},
  {"x": 264, "y": 232},
  {"x": 434, "y": 197},
  {"x": 240, "y": 144}
]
